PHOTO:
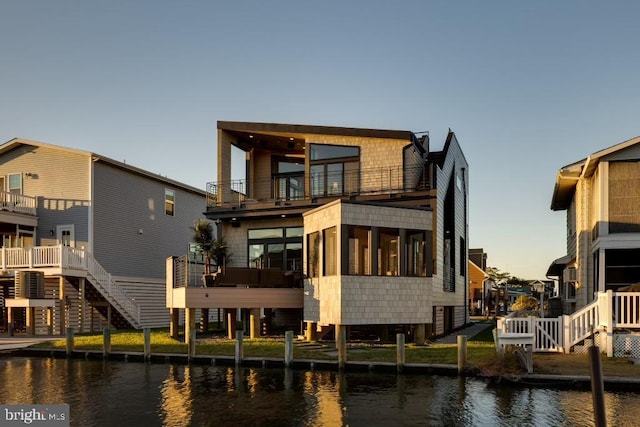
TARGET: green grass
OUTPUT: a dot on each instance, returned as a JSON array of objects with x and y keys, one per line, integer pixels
[{"x": 479, "y": 351}]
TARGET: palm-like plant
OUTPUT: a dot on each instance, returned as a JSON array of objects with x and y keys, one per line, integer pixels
[
  {"x": 203, "y": 238},
  {"x": 212, "y": 248}
]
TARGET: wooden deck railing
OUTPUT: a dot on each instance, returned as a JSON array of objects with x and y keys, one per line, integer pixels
[
  {"x": 19, "y": 203},
  {"x": 65, "y": 257}
]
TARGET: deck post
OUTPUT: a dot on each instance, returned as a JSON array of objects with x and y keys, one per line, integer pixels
[
  {"x": 49, "y": 320},
  {"x": 400, "y": 352},
  {"x": 174, "y": 326},
  {"x": 420, "y": 334},
  {"x": 31, "y": 321},
  {"x": 106, "y": 342},
  {"x": 147, "y": 344},
  {"x": 63, "y": 308},
  {"x": 254, "y": 323},
  {"x": 462, "y": 353},
  {"x": 10, "y": 321},
  {"x": 311, "y": 332},
  {"x": 231, "y": 323},
  {"x": 288, "y": 348},
  {"x": 341, "y": 344}
]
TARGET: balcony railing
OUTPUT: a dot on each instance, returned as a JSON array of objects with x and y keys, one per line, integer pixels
[
  {"x": 380, "y": 180},
  {"x": 190, "y": 274},
  {"x": 18, "y": 203}
]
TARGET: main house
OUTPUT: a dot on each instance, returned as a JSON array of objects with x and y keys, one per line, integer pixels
[
  {"x": 84, "y": 238},
  {"x": 334, "y": 227},
  {"x": 601, "y": 197}
]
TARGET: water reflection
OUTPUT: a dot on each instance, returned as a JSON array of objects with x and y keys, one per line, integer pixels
[{"x": 119, "y": 393}]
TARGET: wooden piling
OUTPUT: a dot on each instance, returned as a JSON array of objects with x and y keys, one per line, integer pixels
[
  {"x": 192, "y": 344},
  {"x": 462, "y": 353},
  {"x": 70, "y": 343},
  {"x": 106, "y": 342},
  {"x": 400, "y": 352},
  {"x": 341, "y": 344},
  {"x": 147, "y": 344},
  {"x": 239, "y": 348},
  {"x": 597, "y": 387},
  {"x": 288, "y": 348}
]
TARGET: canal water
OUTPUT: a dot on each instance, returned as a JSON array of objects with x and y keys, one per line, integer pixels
[{"x": 109, "y": 393}]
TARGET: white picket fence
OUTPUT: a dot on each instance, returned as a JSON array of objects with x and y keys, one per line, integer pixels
[{"x": 610, "y": 312}]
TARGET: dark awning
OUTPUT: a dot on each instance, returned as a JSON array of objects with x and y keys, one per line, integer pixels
[{"x": 557, "y": 266}]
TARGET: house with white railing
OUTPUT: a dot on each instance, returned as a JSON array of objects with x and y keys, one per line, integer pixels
[
  {"x": 84, "y": 239},
  {"x": 596, "y": 275}
]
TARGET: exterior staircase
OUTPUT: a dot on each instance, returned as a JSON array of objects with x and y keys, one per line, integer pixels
[{"x": 73, "y": 263}]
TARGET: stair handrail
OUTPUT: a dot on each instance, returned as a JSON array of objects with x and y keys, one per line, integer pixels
[
  {"x": 105, "y": 280},
  {"x": 582, "y": 323}
]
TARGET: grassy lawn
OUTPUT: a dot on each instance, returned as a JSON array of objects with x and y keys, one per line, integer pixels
[
  {"x": 481, "y": 353},
  {"x": 480, "y": 349}
]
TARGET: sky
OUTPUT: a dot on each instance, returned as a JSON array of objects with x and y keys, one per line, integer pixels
[{"x": 527, "y": 87}]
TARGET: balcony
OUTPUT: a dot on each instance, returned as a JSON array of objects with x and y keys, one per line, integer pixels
[
  {"x": 237, "y": 287},
  {"x": 190, "y": 274},
  {"x": 292, "y": 187},
  {"x": 18, "y": 203}
]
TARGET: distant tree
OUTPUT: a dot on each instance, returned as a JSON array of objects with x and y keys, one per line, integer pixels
[
  {"x": 517, "y": 282},
  {"x": 526, "y": 302},
  {"x": 498, "y": 277}
]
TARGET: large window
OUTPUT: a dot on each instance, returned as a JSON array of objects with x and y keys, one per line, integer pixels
[
  {"x": 313, "y": 257},
  {"x": 388, "y": 252},
  {"x": 330, "y": 251},
  {"x": 359, "y": 251},
  {"x": 622, "y": 267},
  {"x": 417, "y": 246},
  {"x": 169, "y": 202},
  {"x": 288, "y": 179},
  {"x": 335, "y": 169},
  {"x": 277, "y": 248}
]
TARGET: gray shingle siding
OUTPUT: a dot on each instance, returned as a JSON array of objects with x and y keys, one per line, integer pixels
[{"x": 125, "y": 204}]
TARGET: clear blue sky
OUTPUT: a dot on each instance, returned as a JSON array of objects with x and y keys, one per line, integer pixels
[{"x": 527, "y": 86}]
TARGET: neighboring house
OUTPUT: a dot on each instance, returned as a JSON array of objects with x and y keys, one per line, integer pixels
[
  {"x": 98, "y": 229},
  {"x": 477, "y": 289},
  {"x": 602, "y": 202},
  {"x": 337, "y": 227}
]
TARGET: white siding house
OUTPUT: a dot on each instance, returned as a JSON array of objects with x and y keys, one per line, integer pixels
[{"x": 600, "y": 197}]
